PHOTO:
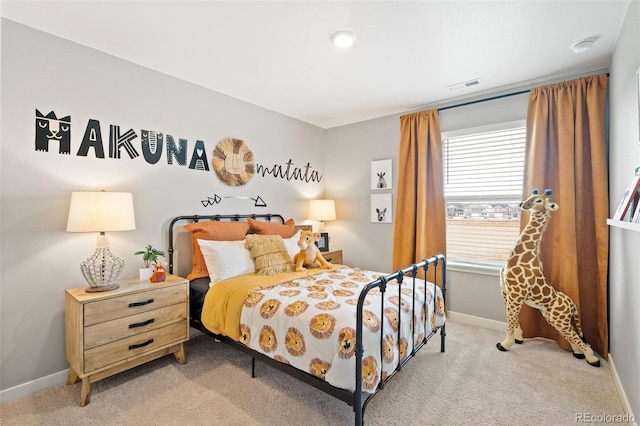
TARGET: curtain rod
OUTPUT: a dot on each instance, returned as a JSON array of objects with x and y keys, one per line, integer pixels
[
  {"x": 493, "y": 98},
  {"x": 477, "y": 101}
]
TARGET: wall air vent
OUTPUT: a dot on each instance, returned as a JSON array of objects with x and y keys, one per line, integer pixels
[{"x": 465, "y": 84}]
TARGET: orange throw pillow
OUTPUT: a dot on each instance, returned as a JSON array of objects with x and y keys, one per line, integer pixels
[
  {"x": 285, "y": 230},
  {"x": 215, "y": 231}
]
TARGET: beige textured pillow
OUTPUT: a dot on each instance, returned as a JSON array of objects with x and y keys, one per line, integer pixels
[{"x": 269, "y": 253}]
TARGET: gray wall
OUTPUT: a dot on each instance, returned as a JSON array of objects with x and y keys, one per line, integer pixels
[
  {"x": 624, "y": 156},
  {"x": 39, "y": 259}
]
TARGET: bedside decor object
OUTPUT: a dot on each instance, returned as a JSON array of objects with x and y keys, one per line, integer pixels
[
  {"x": 159, "y": 272},
  {"x": 101, "y": 211},
  {"x": 150, "y": 257},
  {"x": 323, "y": 241}
]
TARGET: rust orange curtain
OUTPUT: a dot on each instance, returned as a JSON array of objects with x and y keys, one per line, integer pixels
[
  {"x": 420, "y": 228},
  {"x": 566, "y": 152}
]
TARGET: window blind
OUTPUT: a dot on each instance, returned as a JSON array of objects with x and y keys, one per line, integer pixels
[{"x": 483, "y": 174}]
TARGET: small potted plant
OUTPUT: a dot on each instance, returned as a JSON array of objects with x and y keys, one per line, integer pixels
[{"x": 150, "y": 257}]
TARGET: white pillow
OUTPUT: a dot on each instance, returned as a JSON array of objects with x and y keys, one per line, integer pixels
[
  {"x": 291, "y": 244},
  {"x": 226, "y": 259}
]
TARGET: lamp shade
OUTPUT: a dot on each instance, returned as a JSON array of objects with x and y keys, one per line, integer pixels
[
  {"x": 101, "y": 211},
  {"x": 322, "y": 210}
]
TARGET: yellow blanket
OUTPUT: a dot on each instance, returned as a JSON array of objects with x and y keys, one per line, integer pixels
[{"x": 223, "y": 302}]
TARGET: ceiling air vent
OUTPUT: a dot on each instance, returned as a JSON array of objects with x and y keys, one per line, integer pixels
[{"x": 462, "y": 85}]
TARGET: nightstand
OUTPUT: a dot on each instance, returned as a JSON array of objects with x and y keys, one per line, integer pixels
[
  {"x": 333, "y": 256},
  {"x": 112, "y": 331}
]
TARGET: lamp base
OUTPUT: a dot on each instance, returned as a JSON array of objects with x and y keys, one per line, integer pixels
[
  {"x": 102, "y": 288},
  {"x": 102, "y": 269}
]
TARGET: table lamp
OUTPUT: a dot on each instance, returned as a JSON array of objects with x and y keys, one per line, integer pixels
[
  {"x": 322, "y": 210},
  {"x": 101, "y": 211}
]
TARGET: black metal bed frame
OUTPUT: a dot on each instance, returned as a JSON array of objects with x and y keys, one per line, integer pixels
[{"x": 357, "y": 399}]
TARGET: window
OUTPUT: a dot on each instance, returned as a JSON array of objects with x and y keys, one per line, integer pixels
[{"x": 483, "y": 172}]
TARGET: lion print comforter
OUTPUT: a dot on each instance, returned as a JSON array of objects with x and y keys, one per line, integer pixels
[{"x": 309, "y": 323}]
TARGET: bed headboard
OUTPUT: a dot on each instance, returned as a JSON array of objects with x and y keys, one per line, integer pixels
[{"x": 179, "y": 250}]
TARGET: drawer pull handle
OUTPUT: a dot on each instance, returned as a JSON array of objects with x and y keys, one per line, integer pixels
[
  {"x": 146, "y": 302},
  {"x": 142, "y": 324},
  {"x": 141, "y": 345}
]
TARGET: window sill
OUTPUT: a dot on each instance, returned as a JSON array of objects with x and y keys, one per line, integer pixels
[{"x": 492, "y": 269}]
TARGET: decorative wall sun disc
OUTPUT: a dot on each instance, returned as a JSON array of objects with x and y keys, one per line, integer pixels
[{"x": 233, "y": 162}]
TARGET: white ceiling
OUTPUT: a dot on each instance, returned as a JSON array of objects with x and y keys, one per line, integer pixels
[{"x": 278, "y": 55}]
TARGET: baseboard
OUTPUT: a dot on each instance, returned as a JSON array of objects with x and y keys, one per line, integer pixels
[
  {"x": 621, "y": 392},
  {"x": 478, "y": 321},
  {"x": 36, "y": 385}
]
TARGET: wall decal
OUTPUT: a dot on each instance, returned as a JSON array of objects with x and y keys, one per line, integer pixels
[
  {"x": 233, "y": 162},
  {"x": 118, "y": 141},
  {"x": 259, "y": 202},
  {"x": 290, "y": 173},
  {"x": 49, "y": 128},
  {"x": 180, "y": 154},
  {"x": 152, "y": 144},
  {"x": 210, "y": 201},
  {"x": 92, "y": 139},
  {"x": 199, "y": 159}
]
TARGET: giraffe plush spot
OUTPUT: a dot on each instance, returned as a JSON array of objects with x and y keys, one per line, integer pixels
[{"x": 522, "y": 281}]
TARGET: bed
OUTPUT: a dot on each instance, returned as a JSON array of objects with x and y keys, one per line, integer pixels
[{"x": 323, "y": 326}]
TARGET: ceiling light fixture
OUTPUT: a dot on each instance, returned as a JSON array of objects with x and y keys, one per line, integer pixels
[
  {"x": 583, "y": 45},
  {"x": 343, "y": 39}
]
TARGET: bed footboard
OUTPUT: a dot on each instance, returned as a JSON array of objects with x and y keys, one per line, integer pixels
[{"x": 438, "y": 265}]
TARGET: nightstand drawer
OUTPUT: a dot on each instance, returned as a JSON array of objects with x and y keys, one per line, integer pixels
[
  {"x": 110, "y": 331},
  {"x": 133, "y": 303},
  {"x": 334, "y": 256},
  {"x": 132, "y": 346}
]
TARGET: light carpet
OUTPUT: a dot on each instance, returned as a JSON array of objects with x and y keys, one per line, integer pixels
[{"x": 472, "y": 383}]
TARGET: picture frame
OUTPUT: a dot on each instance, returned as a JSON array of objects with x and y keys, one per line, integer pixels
[
  {"x": 323, "y": 242},
  {"x": 381, "y": 208},
  {"x": 381, "y": 175}
]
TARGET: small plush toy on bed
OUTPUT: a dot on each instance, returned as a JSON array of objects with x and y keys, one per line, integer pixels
[{"x": 309, "y": 254}]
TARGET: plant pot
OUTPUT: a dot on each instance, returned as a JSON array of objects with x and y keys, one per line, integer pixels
[{"x": 145, "y": 273}]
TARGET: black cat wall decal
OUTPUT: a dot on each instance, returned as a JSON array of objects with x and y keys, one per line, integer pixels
[{"x": 49, "y": 128}]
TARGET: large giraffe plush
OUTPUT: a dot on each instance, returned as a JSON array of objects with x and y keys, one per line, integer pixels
[{"x": 522, "y": 281}]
